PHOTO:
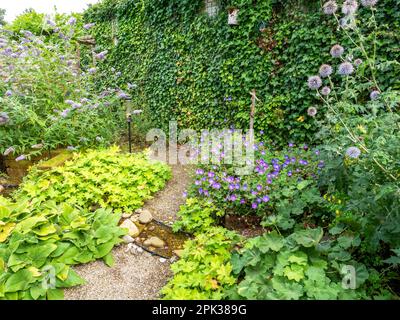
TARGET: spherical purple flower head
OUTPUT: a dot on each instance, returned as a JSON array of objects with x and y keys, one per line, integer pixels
[
  {"x": 21, "y": 157},
  {"x": 349, "y": 7},
  {"x": 9, "y": 93},
  {"x": 9, "y": 151},
  {"x": 101, "y": 55},
  {"x": 369, "y": 3},
  {"x": 353, "y": 152},
  {"x": 325, "y": 91},
  {"x": 71, "y": 21},
  {"x": 92, "y": 70},
  {"x": 325, "y": 70},
  {"x": 88, "y": 26},
  {"x": 4, "y": 118},
  {"x": 374, "y": 95},
  {"x": 314, "y": 82},
  {"x": 312, "y": 111},
  {"x": 330, "y": 7},
  {"x": 357, "y": 62},
  {"x": 346, "y": 69},
  {"x": 337, "y": 51}
]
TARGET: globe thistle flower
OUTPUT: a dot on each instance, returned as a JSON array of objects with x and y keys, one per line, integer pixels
[
  {"x": 374, "y": 95},
  {"x": 357, "y": 62},
  {"x": 369, "y": 3},
  {"x": 325, "y": 91},
  {"x": 314, "y": 82},
  {"x": 21, "y": 158},
  {"x": 337, "y": 51},
  {"x": 346, "y": 68},
  {"x": 9, "y": 151},
  {"x": 330, "y": 7},
  {"x": 325, "y": 70},
  {"x": 353, "y": 152},
  {"x": 349, "y": 7},
  {"x": 312, "y": 111}
]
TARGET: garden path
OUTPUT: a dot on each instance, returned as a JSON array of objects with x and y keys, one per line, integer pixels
[{"x": 138, "y": 276}]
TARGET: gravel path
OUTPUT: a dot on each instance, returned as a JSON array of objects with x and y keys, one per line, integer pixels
[{"x": 141, "y": 276}]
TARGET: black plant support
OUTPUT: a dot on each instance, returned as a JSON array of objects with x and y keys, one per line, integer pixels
[{"x": 130, "y": 133}]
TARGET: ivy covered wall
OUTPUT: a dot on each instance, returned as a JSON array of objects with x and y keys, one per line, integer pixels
[{"x": 199, "y": 70}]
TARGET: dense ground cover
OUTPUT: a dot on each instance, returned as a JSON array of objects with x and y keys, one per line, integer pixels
[{"x": 55, "y": 220}]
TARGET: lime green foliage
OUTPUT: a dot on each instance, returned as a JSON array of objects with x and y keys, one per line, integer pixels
[
  {"x": 197, "y": 216},
  {"x": 104, "y": 178},
  {"x": 275, "y": 267},
  {"x": 38, "y": 246},
  {"x": 56, "y": 161},
  {"x": 205, "y": 271}
]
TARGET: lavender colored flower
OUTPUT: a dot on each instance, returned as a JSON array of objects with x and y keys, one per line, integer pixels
[
  {"x": 88, "y": 26},
  {"x": 312, "y": 111},
  {"x": 21, "y": 158},
  {"x": 200, "y": 171},
  {"x": 65, "y": 113},
  {"x": 265, "y": 198},
  {"x": 374, "y": 95},
  {"x": 92, "y": 70},
  {"x": 325, "y": 70},
  {"x": 314, "y": 82},
  {"x": 330, "y": 7},
  {"x": 369, "y": 3},
  {"x": 337, "y": 51},
  {"x": 123, "y": 95},
  {"x": 353, "y": 152},
  {"x": 349, "y": 7},
  {"x": 289, "y": 173},
  {"x": 71, "y": 21},
  {"x": 101, "y": 55},
  {"x": 254, "y": 205},
  {"x": 4, "y": 118},
  {"x": 346, "y": 68},
  {"x": 8, "y": 151},
  {"x": 9, "y": 93},
  {"x": 325, "y": 91}
]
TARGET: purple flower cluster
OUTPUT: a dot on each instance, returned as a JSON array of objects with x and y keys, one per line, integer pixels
[{"x": 256, "y": 190}]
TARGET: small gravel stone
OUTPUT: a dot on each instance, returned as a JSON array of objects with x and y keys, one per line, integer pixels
[
  {"x": 145, "y": 216},
  {"x": 128, "y": 239},
  {"x": 154, "y": 242},
  {"x": 133, "y": 230},
  {"x": 163, "y": 260}
]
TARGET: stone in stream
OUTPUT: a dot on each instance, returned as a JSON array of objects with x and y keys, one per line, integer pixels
[
  {"x": 126, "y": 215},
  {"x": 154, "y": 242},
  {"x": 133, "y": 230},
  {"x": 145, "y": 216}
]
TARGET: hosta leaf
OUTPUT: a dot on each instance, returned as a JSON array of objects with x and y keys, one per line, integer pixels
[{"x": 19, "y": 281}]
